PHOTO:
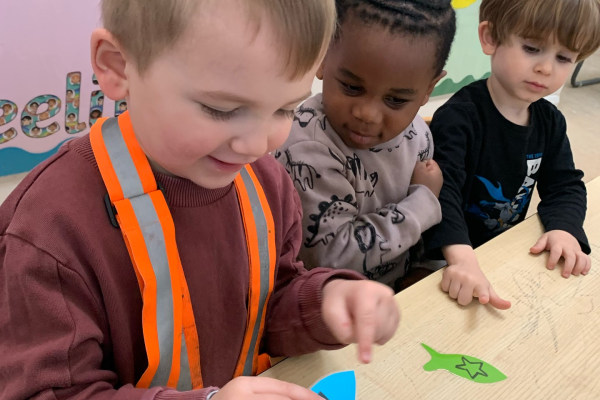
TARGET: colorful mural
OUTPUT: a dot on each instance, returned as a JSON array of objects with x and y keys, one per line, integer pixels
[
  {"x": 466, "y": 63},
  {"x": 48, "y": 93}
]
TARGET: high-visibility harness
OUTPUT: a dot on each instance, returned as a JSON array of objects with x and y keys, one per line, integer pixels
[{"x": 143, "y": 215}]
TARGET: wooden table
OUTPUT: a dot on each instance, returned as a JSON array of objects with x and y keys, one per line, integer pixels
[{"x": 547, "y": 343}]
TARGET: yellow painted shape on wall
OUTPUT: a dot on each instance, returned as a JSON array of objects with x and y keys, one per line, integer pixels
[{"x": 462, "y": 3}]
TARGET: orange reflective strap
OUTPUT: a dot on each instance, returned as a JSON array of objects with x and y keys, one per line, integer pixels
[
  {"x": 109, "y": 176},
  {"x": 149, "y": 234},
  {"x": 258, "y": 225}
]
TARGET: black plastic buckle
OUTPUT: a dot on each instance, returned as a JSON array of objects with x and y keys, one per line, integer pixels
[{"x": 112, "y": 211}]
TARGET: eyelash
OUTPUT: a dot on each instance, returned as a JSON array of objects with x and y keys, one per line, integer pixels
[
  {"x": 352, "y": 90},
  {"x": 227, "y": 115},
  {"x": 534, "y": 50},
  {"x": 288, "y": 113},
  {"x": 530, "y": 49},
  {"x": 395, "y": 103},
  {"x": 218, "y": 114}
]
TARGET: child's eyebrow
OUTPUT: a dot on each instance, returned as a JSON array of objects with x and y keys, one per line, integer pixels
[
  {"x": 350, "y": 75},
  {"x": 403, "y": 91}
]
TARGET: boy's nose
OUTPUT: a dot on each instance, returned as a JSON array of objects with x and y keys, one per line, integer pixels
[
  {"x": 259, "y": 139},
  {"x": 544, "y": 65},
  {"x": 366, "y": 112}
]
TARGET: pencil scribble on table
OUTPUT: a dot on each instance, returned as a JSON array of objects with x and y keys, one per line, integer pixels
[{"x": 543, "y": 305}]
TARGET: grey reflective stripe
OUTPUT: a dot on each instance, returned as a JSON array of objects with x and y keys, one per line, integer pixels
[
  {"x": 265, "y": 267},
  {"x": 154, "y": 239},
  {"x": 121, "y": 159},
  {"x": 147, "y": 218},
  {"x": 185, "y": 377}
]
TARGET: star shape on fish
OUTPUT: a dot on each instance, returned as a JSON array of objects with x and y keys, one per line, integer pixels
[{"x": 473, "y": 368}]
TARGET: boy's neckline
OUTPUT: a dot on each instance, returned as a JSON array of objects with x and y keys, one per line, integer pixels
[{"x": 517, "y": 115}]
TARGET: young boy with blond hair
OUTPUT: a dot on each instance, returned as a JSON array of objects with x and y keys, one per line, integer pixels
[
  {"x": 497, "y": 139},
  {"x": 156, "y": 257}
]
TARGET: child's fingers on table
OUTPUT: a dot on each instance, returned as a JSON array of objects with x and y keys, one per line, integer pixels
[
  {"x": 466, "y": 295},
  {"x": 540, "y": 245},
  {"x": 581, "y": 264},
  {"x": 555, "y": 254},
  {"x": 498, "y": 302},
  {"x": 455, "y": 288},
  {"x": 588, "y": 263},
  {"x": 445, "y": 284},
  {"x": 569, "y": 263},
  {"x": 482, "y": 292}
]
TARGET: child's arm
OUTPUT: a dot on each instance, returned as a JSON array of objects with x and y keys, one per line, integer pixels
[
  {"x": 563, "y": 205},
  {"x": 52, "y": 328},
  {"x": 454, "y": 135},
  {"x": 463, "y": 279},
  {"x": 563, "y": 244},
  {"x": 299, "y": 315},
  {"x": 428, "y": 173}
]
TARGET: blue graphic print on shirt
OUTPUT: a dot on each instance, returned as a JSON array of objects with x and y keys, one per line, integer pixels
[{"x": 499, "y": 213}]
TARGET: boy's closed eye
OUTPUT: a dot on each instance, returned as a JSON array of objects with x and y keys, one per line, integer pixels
[
  {"x": 564, "y": 58},
  {"x": 286, "y": 113},
  {"x": 220, "y": 115},
  {"x": 530, "y": 49},
  {"x": 395, "y": 102},
  {"x": 224, "y": 115},
  {"x": 350, "y": 89}
]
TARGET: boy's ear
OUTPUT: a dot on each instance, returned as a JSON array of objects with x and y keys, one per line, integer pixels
[
  {"x": 432, "y": 86},
  {"x": 488, "y": 44},
  {"x": 319, "y": 73},
  {"x": 108, "y": 63}
]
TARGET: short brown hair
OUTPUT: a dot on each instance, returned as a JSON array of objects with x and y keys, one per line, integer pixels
[
  {"x": 574, "y": 23},
  {"x": 145, "y": 28}
]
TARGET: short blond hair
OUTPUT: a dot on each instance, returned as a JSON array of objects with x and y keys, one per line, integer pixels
[
  {"x": 574, "y": 23},
  {"x": 145, "y": 28}
]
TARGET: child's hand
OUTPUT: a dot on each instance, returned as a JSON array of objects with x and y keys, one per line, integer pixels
[
  {"x": 463, "y": 279},
  {"x": 362, "y": 312},
  {"x": 258, "y": 388},
  {"x": 563, "y": 244},
  {"x": 428, "y": 173}
]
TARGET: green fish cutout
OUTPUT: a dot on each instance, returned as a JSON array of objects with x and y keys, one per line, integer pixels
[{"x": 467, "y": 367}]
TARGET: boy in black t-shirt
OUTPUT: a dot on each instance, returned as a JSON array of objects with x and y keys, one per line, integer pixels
[{"x": 496, "y": 138}]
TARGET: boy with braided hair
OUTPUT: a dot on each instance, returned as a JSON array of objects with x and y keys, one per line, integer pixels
[
  {"x": 497, "y": 139},
  {"x": 358, "y": 154},
  {"x": 156, "y": 257}
]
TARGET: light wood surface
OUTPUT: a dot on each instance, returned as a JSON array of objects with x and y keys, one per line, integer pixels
[{"x": 547, "y": 343}]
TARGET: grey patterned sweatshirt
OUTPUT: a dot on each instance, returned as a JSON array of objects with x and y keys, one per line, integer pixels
[{"x": 360, "y": 210}]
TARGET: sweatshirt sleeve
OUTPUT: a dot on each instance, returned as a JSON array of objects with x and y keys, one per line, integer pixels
[
  {"x": 562, "y": 192},
  {"x": 453, "y": 132},
  {"x": 51, "y": 331},
  {"x": 338, "y": 234},
  {"x": 294, "y": 324}
]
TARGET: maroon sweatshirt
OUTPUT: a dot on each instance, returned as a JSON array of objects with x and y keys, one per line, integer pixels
[{"x": 70, "y": 304}]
